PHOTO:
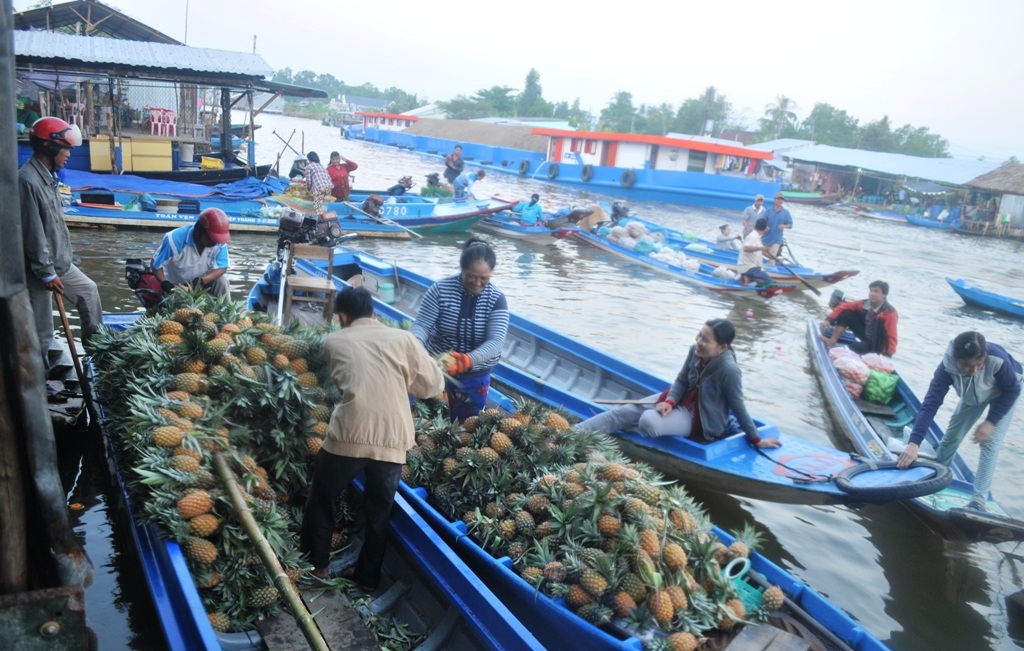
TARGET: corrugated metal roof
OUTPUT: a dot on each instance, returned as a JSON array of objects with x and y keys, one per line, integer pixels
[
  {"x": 69, "y": 48},
  {"x": 781, "y": 144},
  {"x": 942, "y": 170}
]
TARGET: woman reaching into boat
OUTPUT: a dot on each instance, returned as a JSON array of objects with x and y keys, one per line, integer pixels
[
  {"x": 983, "y": 375},
  {"x": 464, "y": 319},
  {"x": 697, "y": 405}
]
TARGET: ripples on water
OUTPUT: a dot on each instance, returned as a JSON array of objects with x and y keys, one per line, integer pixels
[{"x": 905, "y": 585}]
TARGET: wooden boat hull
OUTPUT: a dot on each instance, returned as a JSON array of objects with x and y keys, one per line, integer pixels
[
  {"x": 485, "y": 622},
  {"x": 501, "y": 224},
  {"x": 987, "y": 300},
  {"x": 550, "y": 367},
  {"x": 868, "y": 436},
  {"x": 948, "y": 225},
  {"x": 416, "y": 213},
  {"x": 708, "y": 253},
  {"x": 702, "y": 278}
]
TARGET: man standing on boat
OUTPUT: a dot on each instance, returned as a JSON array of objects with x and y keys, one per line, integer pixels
[
  {"x": 339, "y": 170},
  {"x": 779, "y": 221},
  {"x": 751, "y": 213},
  {"x": 464, "y": 184},
  {"x": 454, "y": 165},
  {"x": 47, "y": 243},
  {"x": 196, "y": 254},
  {"x": 318, "y": 182},
  {"x": 529, "y": 213},
  {"x": 751, "y": 262},
  {"x": 873, "y": 321},
  {"x": 375, "y": 368}
]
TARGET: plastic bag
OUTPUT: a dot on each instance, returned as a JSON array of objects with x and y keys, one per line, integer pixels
[
  {"x": 725, "y": 273},
  {"x": 852, "y": 369},
  {"x": 853, "y": 388},
  {"x": 879, "y": 363},
  {"x": 840, "y": 351},
  {"x": 643, "y": 247},
  {"x": 880, "y": 387}
]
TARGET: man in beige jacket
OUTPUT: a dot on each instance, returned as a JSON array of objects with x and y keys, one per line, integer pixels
[{"x": 375, "y": 368}]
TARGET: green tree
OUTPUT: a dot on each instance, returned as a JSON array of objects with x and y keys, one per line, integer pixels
[
  {"x": 461, "y": 107},
  {"x": 830, "y": 126},
  {"x": 531, "y": 101},
  {"x": 620, "y": 115},
  {"x": 283, "y": 76},
  {"x": 878, "y": 136},
  {"x": 919, "y": 141},
  {"x": 500, "y": 98},
  {"x": 659, "y": 119},
  {"x": 579, "y": 118},
  {"x": 694, "y": 113},
  {"x": 779, "y": 118},
  {"x": 305, "y": 78}
]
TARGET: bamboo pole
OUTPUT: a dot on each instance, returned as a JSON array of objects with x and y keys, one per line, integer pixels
[{"x": 302, "y": 615}]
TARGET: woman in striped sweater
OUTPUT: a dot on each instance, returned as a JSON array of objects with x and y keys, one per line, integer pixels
[{"x": 463, "y": 319}]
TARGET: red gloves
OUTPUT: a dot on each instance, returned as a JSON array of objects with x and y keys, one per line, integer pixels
[{"x": 455, "y": 363}]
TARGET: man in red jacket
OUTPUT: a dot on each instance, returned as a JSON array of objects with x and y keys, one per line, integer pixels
[
  {"x": 340, "y": 168},
  {"x": 873, "y": 321}
]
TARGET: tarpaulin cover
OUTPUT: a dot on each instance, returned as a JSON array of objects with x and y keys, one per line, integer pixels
[{"x": 247, "y": 188}]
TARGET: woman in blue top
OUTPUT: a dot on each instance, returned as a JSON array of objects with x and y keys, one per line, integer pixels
[
  {"x": 464, "y": 319},
  {"x": 983, "y": 375}
]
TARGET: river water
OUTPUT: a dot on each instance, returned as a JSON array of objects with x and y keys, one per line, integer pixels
[{"x": 905, "y": 584}]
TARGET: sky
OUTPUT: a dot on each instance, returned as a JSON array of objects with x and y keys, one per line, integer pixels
[{"x": 953, "y": 66}]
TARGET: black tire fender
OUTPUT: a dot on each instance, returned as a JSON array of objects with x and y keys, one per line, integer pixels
[
  {"x": 628, "y": 179},
  {"x": 524, "y": 167},
  {"x": 553, "y": 170},
  {"x": 939, "y": 480},
  {"x": 587, "y": 173}
]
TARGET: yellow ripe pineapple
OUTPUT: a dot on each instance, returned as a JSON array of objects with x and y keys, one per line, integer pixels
[
  {"x": 300, "y": 366},
  {"x": 194, "y": 503},
  {"x": 184, "y": 463},
  {"x": 577, "y": 596},
  {"x": 189, "y": 409},
  {"x": 747, "y": 540},
  {"x": 216, "y": 347},
  {"x": 179, "y": 395},
  {"x": 313, "y": 445},
  {"x": 623, "y": 605},
  {"x": 199, "y": 550},
  {"x": 470, "y": 424},
  {"x": 772, "y": 598},
  {"x": 609, "y": 525},
  {"x": 255, "y": 355},
  {"x": 308, "y": 380},
  {"x": 501, "y": 443},
  {"x": 732, "y": 611},
  {"x": 184, "y": 315},
  {"x": 556, "y": 421},
  {"x": 204, "y": 525},
  {"x": 280, "y": 362},
  {"x": 649, "y": 542},
  {"x": 611, "y": 471},
  {"x": 264, "y": 596},
  {"x": 683, "y": 641},
  {"x": 660, "y": 604},
  {"x": 677, "y": 594},
  {"x": 220, "y": 621},
  {"x": 320, "y": 429},
  {"x": 169, "y": 341},
  {"x": 244, "y": 322},
  {"x": 230, "y": 328},
  {"x": 193, "y": 365},
  {"x": 182, "y": 451},
  {"x": 683, "y": 521},
  {"x": 168, "y": 436},
  {"x": 188, "y": 382},
  {"x": 169, "y": 328},
  {"x": 508, "y": 425},
  {"x": 674, "y": 556}
]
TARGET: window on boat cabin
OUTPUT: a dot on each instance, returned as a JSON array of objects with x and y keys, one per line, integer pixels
[
  {"x": 590, "y": 147},
  {"x": 574, "y": 144},
  {"x": 697, "y": 161}
]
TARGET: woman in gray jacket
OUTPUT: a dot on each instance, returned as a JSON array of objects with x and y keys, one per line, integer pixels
[{"x": 699, "y": 403}]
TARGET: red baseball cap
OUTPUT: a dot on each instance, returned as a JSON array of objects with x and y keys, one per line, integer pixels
[{"x": 215, "y": 223}]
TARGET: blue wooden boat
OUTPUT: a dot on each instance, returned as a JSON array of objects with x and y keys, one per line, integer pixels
[
  {"x": 702, "y": 277},
  {"x": 928, "y": 222},
  {"x": 987, "y": 300},
  {"x": 550, "y": 367},
  {"x": 505, "y": 224},
  {"x": 869, "y": 428},
  {"x": 568, "y": 363},
  {"x": 428, "y": 579},
  {"x": 706, "y": 251}
]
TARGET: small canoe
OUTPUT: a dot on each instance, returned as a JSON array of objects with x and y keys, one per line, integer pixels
[
  {"x": 812, "y": 198},
  {"x": 425, "y": 585},
  {"x": 927, "y": 222},
  {"x": 550, "y": 367},
  {"x": 702, "y": 276},
  {"x": 987, "y": 300},
  {"x": 869, "y": 428},
  {"x": 708, "y": 253}
]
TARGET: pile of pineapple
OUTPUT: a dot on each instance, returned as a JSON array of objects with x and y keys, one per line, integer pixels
[
  {"x": 622, "y": 547},
  {"x": 203, "y": 376}
]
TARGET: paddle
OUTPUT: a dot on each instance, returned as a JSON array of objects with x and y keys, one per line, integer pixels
[
  {"x": 790, "y": 252},
  {"x": 382, "y": 220},
  {"x": 814, "y": 289},
  {"x": 86, "y": 392}
]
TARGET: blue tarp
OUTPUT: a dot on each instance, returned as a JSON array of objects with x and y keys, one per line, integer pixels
[{"x": 247, "y": 188}]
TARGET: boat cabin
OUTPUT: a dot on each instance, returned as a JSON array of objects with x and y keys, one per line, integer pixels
[
  {"x": 386, "y": 121},
  {"x": 642, "y": 151}
]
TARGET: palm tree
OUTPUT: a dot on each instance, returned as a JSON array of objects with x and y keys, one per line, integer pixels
[{"x": 780, "y": 115}]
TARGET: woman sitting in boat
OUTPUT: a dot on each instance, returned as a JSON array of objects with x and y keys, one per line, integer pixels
[
  {"x": 983, "y": 375},
  {"x": 530, "y": 213},
  {"x": 697, "y": 405},
  {"x": 464, "y": 319}
]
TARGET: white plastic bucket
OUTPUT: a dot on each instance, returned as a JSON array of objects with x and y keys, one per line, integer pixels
[
  {"x": 386, "y": 292},
  {"x": 188, "y": 152}
]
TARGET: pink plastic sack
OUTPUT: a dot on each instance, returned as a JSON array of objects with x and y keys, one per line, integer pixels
[
  {"x": 879, "y": 363},
  {"x": 852, "y": 369},
  {"x": 854, "y": 389},
  {"x": 840, "y": 351}
]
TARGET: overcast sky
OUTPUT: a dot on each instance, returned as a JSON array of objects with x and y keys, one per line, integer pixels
[{"x": 955, "y": 67}]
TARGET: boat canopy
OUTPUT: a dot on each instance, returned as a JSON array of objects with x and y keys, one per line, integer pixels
[{"x": 926, "y": 187}]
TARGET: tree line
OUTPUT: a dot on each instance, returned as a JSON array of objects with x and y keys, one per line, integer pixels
[{"x": 711, "y": 114}]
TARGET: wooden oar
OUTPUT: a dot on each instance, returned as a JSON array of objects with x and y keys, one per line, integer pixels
[
  {"x": 86, "y": 393},
  {"x": 266, "y": 553},
  {"x": 797, "y": 276},
  {"x": 382, "y": 220},
  {"x": 637, "y": 401}
]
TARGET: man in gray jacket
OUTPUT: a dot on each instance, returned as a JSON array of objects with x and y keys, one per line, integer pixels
[{"x": 47, "y": 241}]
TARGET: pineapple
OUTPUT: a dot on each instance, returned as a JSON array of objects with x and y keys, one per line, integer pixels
[
  {"x": 308, "y": 380},
  {"x": 577, "y": 597},
  {"x": 538, "y": 504},
  {"x": 184, "y": 463},
  {"x": 634, "y": 586},
  {"x": 532, "y": 575},
  {"x": 189, "y": 409},
  {"x": 169, "y": 341},
  {"x": 731, "y": 612},
  {"x": 168, "y": 436},
  {"x": 649, "y": 542},
  {"x": 264, "y": 596},
  {"x": 488, "y": 456},
  {"x": 501, "y": 443},
  {"x": 170, "y": 328},
  {"x": 683, "y": 641},
  {"x": 623, "y": 604},
  {"x": 194, "y": 503},
  {"x": 677, "y": 594},
  {"x": 199, "y": 550},
  {"x": 673, "y": 556},
  {"x": 220, "y": 621},
  {"x": 556, "y": 421},
  {"x": 525, "y": 523},
  {"x": 188, "y": 382},
  {"x": 609, "y": 525},
  {"x": 338, "y": 538},
  {"x": 299, "y": 366},
  {"x": 255, "y": 355},
  {"x": 772, "y": 598},
  {"x": 508, "y": 425},
  {"x": 204, "y": 525},
  {"x": 193, "y": 365},
  {"x": 470, "y": 426},
  {"x": 660, "y": 604},
  {"x": 747, "y": 540},
  {"x": 178, "y": 395}
]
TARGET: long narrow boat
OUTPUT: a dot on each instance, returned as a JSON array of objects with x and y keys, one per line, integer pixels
[
  {"x": 927, "y": 222},
  {"x": 707, "y": 252},
  {"x": 819, "y": 622},
  {"x": 702, "y": 277},
  {"x": 424, "y": 583},
  {"x": 987, "y": 300},
  {"x": 548, "y": 366},
  {"x": 869, "y": 428}
]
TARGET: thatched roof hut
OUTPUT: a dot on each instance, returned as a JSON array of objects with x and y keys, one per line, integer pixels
[{"x": 1005, "y": 179}]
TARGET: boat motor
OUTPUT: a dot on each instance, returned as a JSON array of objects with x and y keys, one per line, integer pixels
[
  {"x": 404, "y": 185},
  {"x": 301, "y": 228},
  {"x": 836, "y": 298}
]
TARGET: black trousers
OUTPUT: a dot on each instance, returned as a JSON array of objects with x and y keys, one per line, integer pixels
[
  {"x": 854, "y": 322},
  {"x": 331, "y": 475}
]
